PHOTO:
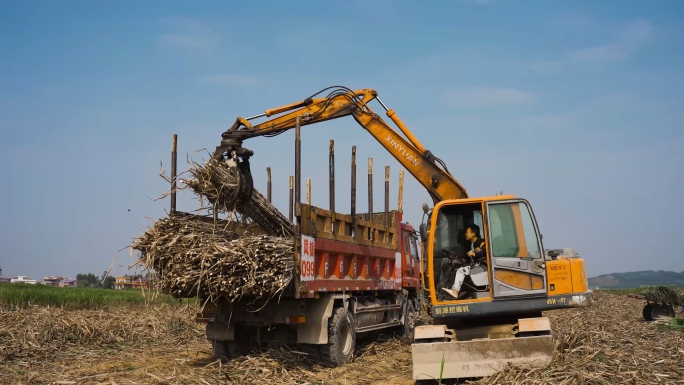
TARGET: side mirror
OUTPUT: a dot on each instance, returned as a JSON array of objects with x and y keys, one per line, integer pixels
[
  {"x": 423, "y": 232},
  {"x": 426, "y": 208}
]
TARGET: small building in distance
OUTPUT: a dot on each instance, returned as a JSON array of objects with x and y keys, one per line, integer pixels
[
  {"x": 58, "y": 281},
  {"x": 3, "y": 279},
  {"x": 52, "y": 280},
  {"x": 68, "y": 282},
  {"x": 23, "y": 279},
  {"x": 129, "y": 283}
]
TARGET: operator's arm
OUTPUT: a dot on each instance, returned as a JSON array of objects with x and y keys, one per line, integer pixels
[{"x": 480, "y": 250}]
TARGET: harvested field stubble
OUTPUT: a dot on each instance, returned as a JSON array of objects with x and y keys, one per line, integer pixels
[
  {"x": 196, "y": 258},
  {"x": 31, "y": 338},
  {"x": 608, "y": 343}
]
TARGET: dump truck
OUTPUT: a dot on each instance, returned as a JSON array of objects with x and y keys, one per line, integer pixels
[
  {"x": 354, "y": 274},
  {"x": 497, "y": 316}
]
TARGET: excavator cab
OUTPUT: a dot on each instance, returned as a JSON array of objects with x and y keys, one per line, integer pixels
[
  {"x": 513, "y": 264},
  {"x": 500, "y": 321},
  {"x": 451, "y": 251}
]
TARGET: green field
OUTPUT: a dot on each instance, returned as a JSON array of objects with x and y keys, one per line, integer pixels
[
  {"x": 637, "y": 290},
  {"x": 20, "y": 295}
]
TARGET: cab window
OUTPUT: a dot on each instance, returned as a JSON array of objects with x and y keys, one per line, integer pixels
[
  {"x": 414, "y": 248},
  {"x": 512, "y": 231},
  {"x": 451, "y": 224}
]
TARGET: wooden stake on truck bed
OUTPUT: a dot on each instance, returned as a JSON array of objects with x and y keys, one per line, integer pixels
[
  {"x": 268, "y": 184},
  {"x": 174, "y": 157},
  {"x": 353, "y": 192},
  {"x": 291, "y": 200},
  {"x": 400, "y": 208},
  {"x": 387, "y": 218},
  {"x": 331, "y": 171},
  {"x": 370, "y": 198},
  {"x": 298, "y": 171}
]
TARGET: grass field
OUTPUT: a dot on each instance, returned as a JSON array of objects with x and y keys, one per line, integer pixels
[
  {"x": 637, "y": 290},
  {"x": 20, "y": 295}
]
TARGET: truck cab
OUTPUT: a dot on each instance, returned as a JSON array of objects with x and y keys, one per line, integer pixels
[{"x": 410, "y": 257}]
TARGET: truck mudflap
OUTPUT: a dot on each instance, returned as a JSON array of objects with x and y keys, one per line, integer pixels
[{"x": 478, "y": 358}]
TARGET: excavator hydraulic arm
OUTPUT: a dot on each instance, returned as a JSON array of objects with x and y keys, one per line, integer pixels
[{"x": 429, "y": 170}]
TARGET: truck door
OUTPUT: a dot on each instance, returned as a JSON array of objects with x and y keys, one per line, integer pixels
[
  {"x": 516, "y": 251},
  {"x": 410, "y": 254}
]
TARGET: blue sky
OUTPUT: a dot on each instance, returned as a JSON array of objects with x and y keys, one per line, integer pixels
[{"x": 575, "y": 106}]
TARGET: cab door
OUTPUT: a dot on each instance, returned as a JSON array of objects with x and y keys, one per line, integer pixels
[{"x": 516, "y": 251}]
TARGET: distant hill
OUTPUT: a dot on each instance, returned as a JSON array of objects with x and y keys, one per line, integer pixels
[{"x": 637, "y": 278}]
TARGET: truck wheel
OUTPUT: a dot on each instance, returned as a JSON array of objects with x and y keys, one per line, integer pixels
[
  {"x": 225, "y": 350},
  {"x": 221, "y": 350},
  {"x": 243, "y": 337},
  {"x": 646, "y": 312},
  {"x": 341, "y": 338},
  {"x": 662, "y": 311},
  {"x": 410, "y": 320}
]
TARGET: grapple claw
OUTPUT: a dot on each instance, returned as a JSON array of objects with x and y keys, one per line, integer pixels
[{"x": 236, "y": 158}]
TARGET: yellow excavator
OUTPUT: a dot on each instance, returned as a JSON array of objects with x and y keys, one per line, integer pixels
[{"x": 496, "y": 316}]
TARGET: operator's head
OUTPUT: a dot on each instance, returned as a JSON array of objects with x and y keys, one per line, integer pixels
[{"x": 472, "y": 232}]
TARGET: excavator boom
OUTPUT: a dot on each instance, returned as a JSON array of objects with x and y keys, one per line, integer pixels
[{"x": 429, "y": 170}]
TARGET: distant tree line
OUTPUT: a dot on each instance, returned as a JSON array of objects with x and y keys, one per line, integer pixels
[{"x": 91, "y": 280}]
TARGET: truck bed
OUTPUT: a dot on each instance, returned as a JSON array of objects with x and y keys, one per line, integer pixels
[{"x": 338, "y": 252}]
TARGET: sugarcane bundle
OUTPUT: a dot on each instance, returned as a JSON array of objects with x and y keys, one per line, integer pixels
[
  {"x": 192, "y": 258},
  {"x": 222, "y": 186}
]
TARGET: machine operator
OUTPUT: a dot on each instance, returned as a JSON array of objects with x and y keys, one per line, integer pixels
[{"x": 478, "y": 252}]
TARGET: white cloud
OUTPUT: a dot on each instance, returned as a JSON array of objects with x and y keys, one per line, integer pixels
[
  {"x": 485, "y": 96},
  {"x": 187, "y": 33},
  {"x": 600, "y": 53},
  {"x": 229, "y": 79},
  {"x": 626, "y": 43}
]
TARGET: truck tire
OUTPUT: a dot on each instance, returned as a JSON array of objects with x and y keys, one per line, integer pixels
[
  {"x": 646, "y": 312},
  {"x": 410, "y": 317},
  {"x": 341, "y": 338},
  {"x": 243, "y": 336},
  {"x": 220, "y": 349},
  {"x": 227, "y": 350},
  {"x": 659, "y": 310}
]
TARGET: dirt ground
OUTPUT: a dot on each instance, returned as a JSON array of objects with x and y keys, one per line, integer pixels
[{"x": 606, "y": 343}]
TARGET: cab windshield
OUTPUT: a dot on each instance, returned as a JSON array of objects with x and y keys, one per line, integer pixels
[{"x": 512, "y": 231}]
